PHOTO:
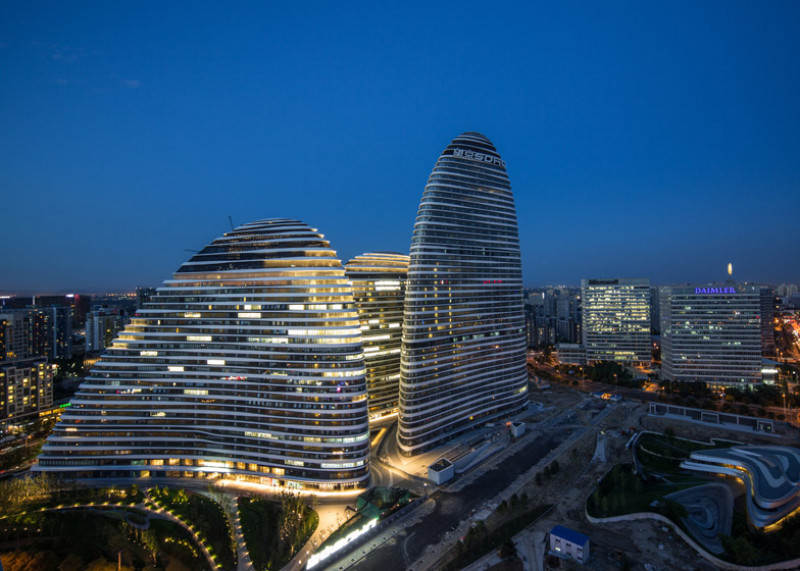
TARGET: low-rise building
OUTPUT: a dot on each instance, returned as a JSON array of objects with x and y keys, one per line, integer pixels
[
  {"x": 441, "y": 471},
  {"x": 571, "y": 354},
  {"x": 569, "y": 544},
  {"x": 517, "y": 429}
]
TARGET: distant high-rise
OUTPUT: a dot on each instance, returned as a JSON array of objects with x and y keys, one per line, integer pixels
[
  {"x": 655, "y": 310},
  {"x": 616, "y": 320},
  {"x": 379, "y": 287},
  {"x": 463, "y": 358},
  {"x": 102, "y": 326},
  {"x": 26, "y": 388},
  {"x": 246, "y": 365},
  {"x": 36, "y": 332},
  {"x": 768, "y": 313},
  {"x": 711, "y": 333},
  {"x": 143, "y": 295}
]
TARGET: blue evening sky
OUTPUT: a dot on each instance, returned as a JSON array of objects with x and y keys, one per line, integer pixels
[{"x": 642, "y": 139}]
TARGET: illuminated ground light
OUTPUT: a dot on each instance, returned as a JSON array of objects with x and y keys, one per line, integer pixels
[{"x": 341, "y": 544}]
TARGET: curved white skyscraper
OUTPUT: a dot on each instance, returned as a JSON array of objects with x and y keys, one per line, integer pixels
[
  {"x": 379, "y": 286},
  {"x": 246, "y": 365},
  {"x": 463, "y": 356}
]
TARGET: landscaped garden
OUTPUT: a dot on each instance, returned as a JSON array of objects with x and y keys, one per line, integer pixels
[
  {"x": 47, "y": 523},
  {"x": 660, "y": 455},
  {"x": 623, "y": 491},
  {"x": 275, "y": 530},
  {"x": 205, "y": 516},
  {"x": 93, "y": 538}
]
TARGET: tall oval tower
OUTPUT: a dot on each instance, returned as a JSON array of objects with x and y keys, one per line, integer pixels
[
  {"x": 246, "y": 365},
  {"x": 463, "y": 351}
]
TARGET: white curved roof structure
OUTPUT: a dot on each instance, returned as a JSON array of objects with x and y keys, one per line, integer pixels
[{"x": 771, "y": 475}]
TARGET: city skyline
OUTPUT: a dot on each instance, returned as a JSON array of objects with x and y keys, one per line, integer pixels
[{"x": 643, "y": 141}]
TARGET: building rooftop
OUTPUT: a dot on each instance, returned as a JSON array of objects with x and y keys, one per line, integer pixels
[
  {"x": 440, "y": 464},
  {"x": 570, "y": 535}
]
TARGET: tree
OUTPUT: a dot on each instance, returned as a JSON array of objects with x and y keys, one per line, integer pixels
[
  {"x": 149, "y": 541},
  {"x": 508, "y": 550},
  {"x": 673, "y": 510},
  {"x": 740, "y": 549}
]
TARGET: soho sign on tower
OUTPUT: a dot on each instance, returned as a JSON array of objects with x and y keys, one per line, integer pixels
[
  {"x": 482, "y": 157},
  {"x": 717, "y": 290}
]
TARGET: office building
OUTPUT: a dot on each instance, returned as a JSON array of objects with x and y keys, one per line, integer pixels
[
  {"x": 379, "y": 288},
  {"x": 246, "y": 365},
  {"x": 616, "y": 320},
  {"x": 711, "y": 334},
  {"x": 26, "y": 387},
  {"x": 463, "y": 356}
]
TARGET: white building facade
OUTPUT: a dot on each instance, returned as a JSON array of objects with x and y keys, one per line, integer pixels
[
  {"x": 711, "y": 334},
  {"x": 463, "y": 353},
  {"x": 246, "y": 365}
]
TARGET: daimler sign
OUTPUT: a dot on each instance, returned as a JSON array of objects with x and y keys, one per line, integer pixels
[
  {"x": 714, "y": 290},
  {"x": 482, "y": 157}
]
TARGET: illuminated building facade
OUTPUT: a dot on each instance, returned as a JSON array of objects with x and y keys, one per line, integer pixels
[
  {"x": 26, "y": 388},
  {"x": 711, "y": 334},
  {"x": 616, "y": 320},
  {"x": 463, "y": 356},
  {"x": 246, "y": 365},
  {"x": 379, "y": 287}
]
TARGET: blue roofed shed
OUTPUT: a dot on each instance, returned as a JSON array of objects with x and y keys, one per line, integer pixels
[{"x": 568, "y": 543}]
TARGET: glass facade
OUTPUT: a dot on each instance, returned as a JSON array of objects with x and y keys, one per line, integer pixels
[
  {"x": 616, "y": 320},
  {"x": 463, "y": 351},
  {"x": 379, "y": 287},
  {"x": 246, "y": 365}
]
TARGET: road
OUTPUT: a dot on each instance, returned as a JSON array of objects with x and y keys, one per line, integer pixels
[{"x": 406, "y": 546}]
